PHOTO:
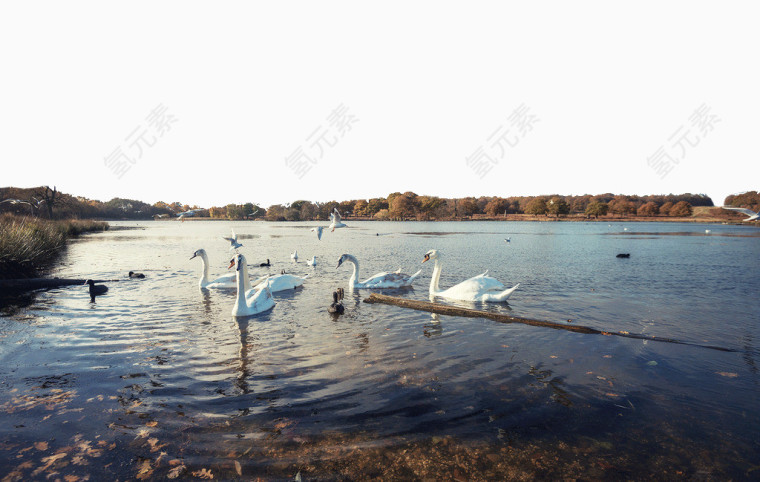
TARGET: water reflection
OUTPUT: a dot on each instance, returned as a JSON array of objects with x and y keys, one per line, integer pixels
[{"x": 348, "y": 396}]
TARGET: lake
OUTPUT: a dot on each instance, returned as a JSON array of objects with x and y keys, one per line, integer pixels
[{"x": 157, "y": 380}]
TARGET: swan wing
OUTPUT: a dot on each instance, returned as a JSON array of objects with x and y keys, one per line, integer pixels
[
  {"x": 496, "y": 297},
  {"x": 390, "y": 280},
  {"x": 474, "y": 288},
  {"x": 226, "y": 281}
]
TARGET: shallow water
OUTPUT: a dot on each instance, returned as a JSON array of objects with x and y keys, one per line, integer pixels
[{"x": 155, "y": 379}]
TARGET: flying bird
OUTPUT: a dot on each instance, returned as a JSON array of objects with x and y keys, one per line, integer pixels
[
  {"x": 233, "y": 241},
  {"x": 335, "y": 220},
  {"x": 318, "y": 230},
  {"x": 753, "y": 216}
]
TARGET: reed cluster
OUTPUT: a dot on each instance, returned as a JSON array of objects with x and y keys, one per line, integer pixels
[{"x": 28, "y": 244}]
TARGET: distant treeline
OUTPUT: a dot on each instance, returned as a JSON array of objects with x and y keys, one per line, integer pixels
[{"x": 46, "y": 202}]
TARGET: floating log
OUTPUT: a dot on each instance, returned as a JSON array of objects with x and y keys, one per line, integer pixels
[
  {"x": 43, "y": 283},
  {"x": 502, "y": 318}
]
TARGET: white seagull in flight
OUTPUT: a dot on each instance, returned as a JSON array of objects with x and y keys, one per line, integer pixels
[
  {"x": 335, "y": 218},
  {"x": 233, "y": 241},
  {"x": 753, "y": 216}
]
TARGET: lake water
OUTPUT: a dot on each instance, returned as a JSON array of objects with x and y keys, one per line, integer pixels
[{"x": 157, "y": 380}]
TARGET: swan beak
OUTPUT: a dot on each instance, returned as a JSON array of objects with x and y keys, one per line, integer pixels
[
  {"x": 427, "y": 258},
  {"x": 194, "y": 255},
  {"x": 232, "y": 263}
]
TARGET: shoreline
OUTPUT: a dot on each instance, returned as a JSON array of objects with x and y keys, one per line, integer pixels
[{"x": 509, "y": 218}]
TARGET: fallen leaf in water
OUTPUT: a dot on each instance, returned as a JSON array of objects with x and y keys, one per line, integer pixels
[
  {"x": 174, "y": 462},
  {"x": 142, "y": 433},
  {"x": 41, "y": 445},
  {"x": 607, "y": 356},
  {"x": 152, "y": 423},
  {"x": 728, "y": 374},
  {"x": 145, "y": 470},
  {"x": 589, "y": 373},
  {"x": 552, "y": 356},
  {"x": 613, "y": 395},
  {"x": 203, "y": 474},
  {"x": 238, "y": 469},
  {"x": 71, "y": 478},
  {"x": 48, "y": 461},
  {"x": 176, "y": 471}
]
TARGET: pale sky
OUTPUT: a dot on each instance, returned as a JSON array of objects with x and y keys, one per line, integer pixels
[{"x": 395, "y": 96}]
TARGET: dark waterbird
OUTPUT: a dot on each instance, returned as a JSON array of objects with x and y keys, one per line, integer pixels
[
  {"x": 266, "y": 264},
  {"x": 96, "y": 290},
  {"x": 132, "y": 274},
  {"x": 336, "y": 306},
  {"x": 623, "y": 255}
]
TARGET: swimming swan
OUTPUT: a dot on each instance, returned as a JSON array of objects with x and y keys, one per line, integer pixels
[
  {"x": 249, "y": 301},
  {"x": 477, "y": 288},
  {"x": 226, "y": 281},
  {"x": 380, "y": 280}
]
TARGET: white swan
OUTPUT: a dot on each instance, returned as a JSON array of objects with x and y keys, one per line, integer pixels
[
  {"x": 753, "y": 216},
  {"x": 249, "y": 301},
  {"x": 318, "y": 230},
  {"x": 335, "y": 220},
  {"x": 280, "y": 282},
  {"x": 312, "y": 261},
  {"x": 294, "y": 256},
  {"x": 477, "y": 288},
  {"x": 233, "y": 241},
  {"x": 226, "y": 281},
  {"x": 380, "y": 280}
]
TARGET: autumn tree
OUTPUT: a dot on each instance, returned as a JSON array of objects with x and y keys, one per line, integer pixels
[
  {"x": 649, "y": 209},
  {"x": 580, "y": 203},
  {"x": 430, "y": 207},
  {"x": 596, "y": 209},
  {"x": 276, "y": 212},
  {"x": 346, "y": 208},
  {"x": 536, "y": 206},
  {"x": 467, "y": 206},
  {"x": 681, "y": 209},
  {"x": 376, "y": 204},
  {"x": 309, "y": 211},
  {"x": 558, "y": 206},
  {"x": 497, "y": 207},
  {"x": 665, "y": 208},
  {"x": 360, "y": 207},
  {"x": 404, "y": 206}
]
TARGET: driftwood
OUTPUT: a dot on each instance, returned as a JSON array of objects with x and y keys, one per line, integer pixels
[
  {"x": 43, "y": 283},
  {"x": 502, "y": 318}
]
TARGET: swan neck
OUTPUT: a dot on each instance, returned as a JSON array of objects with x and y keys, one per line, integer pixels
[
  {"x": 354, "y": 279},
  {"x": 436, "y": 277},
  {"x": 204, "y": 259},
  {"x": 242, "y": 276}
]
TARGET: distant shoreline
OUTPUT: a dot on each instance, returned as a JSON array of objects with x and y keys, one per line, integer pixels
[{"x": 509, "y": 218}]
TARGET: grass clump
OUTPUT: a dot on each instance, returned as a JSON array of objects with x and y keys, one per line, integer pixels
[{"x": 28, "y": 244}]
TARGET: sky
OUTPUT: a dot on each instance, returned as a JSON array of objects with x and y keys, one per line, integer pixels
[{"x": 270, "y": 102}]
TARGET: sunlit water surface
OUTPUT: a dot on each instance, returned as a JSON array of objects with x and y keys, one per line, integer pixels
[{"x": 156, "y": 379}]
